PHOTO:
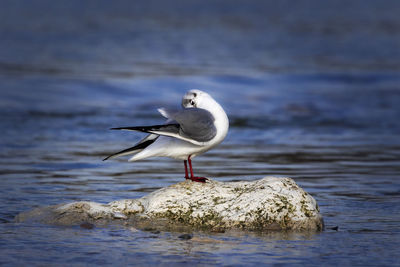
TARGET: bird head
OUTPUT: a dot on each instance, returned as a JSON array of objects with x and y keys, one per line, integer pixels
[{"x": 195, "y": 99}]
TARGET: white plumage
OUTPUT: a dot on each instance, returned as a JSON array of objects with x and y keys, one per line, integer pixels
[{"x": 200, "y": 125}]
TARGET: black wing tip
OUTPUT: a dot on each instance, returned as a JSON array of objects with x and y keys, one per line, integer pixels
[
  {"x": 146, "y": 128},
  {"x": 106, "y": 158},
  {"x": 139, "y": 146},
  {"x": 130, "y": 128}
]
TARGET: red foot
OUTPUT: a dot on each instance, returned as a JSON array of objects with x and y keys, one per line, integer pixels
[
  {"x": 193, "y": 178},
  {"x": 198, "y": 179}
]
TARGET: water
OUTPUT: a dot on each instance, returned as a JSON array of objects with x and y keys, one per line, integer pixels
[{"x": 311, "y": 89}]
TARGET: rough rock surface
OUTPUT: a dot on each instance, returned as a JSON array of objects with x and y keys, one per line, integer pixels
[{"x": 269, "y": 203}]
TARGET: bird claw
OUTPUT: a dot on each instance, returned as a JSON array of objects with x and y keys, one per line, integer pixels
[{"x": 198, "y": 179}]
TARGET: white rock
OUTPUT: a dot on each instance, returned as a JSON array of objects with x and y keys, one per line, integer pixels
[{"x": 269, "y": 203}]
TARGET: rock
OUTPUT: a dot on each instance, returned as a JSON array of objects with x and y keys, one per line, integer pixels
[
  {"x": 269, "y": 203},
  {"x": 185, "y": 236},
  {"x": 87, "y": 225}
]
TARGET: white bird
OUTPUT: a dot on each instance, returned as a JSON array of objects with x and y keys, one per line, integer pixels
[{"x": 200, "y": 125}]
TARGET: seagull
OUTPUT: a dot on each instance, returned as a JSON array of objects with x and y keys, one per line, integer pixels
[{"x": 200, "y": 125}]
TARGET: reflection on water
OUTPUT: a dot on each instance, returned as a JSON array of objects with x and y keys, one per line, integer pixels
[{"x": 312, "y": 97}]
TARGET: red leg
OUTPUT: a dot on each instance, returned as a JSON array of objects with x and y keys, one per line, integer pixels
[
  {"x": 186, "y": 170},
  {"x": 190, "y": 166},
  {"x": 194, "y": 178}
]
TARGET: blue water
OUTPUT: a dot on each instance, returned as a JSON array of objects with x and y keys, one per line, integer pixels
[{"x": 312, "y": 90}]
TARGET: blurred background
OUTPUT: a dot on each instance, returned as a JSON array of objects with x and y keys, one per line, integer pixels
[{"x": 311, "y": 88}]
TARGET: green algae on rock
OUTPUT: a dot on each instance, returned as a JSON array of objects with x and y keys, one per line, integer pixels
[{"x": 265, "y": 204}]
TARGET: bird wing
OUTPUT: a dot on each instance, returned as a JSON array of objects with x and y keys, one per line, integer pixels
[
  {"x": 142, "y": 144},
  {"x": 193, "y": 125}
]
